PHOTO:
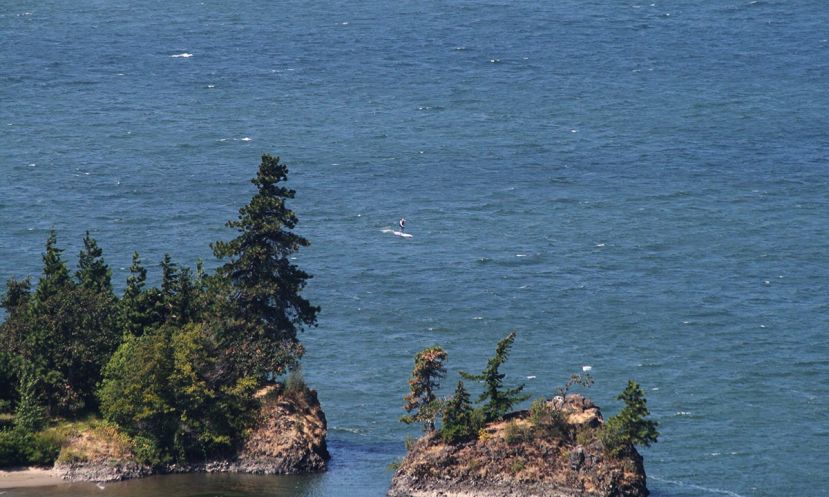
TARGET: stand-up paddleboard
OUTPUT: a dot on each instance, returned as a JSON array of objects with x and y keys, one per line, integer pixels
[{"x": 398, "y": 233}]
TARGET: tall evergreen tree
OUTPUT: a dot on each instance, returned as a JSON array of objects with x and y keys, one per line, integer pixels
[
  {"x": 141, "y": 308},
  {"x": 169, "y": 276},
  {"x": 498, "y": 401},
  {"x": 421, "y": 401},
  {"x": 55, "y": 275},
  {"x": 93, "y": 273},
  {"x": 137, "y": 278},
  {"x": 264, "y": 285}
]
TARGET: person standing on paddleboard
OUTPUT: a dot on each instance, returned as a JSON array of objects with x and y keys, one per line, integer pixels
[{"x": 402, "y": 224}]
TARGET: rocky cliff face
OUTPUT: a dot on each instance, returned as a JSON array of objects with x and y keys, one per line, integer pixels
[
  {"x": 516, "y": 458},
  {"x": 289, "y": 438}
]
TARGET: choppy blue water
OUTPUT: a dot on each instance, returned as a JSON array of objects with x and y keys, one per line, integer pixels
[{"x": 641, "y": 187}]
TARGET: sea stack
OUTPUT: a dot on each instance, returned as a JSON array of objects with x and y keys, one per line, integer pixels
[{"x": 525, "y": 455}]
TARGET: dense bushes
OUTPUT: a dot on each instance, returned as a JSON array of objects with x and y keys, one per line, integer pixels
[
  {"x": 21, "y": 448},
  {"x": 164, "y": 388}
]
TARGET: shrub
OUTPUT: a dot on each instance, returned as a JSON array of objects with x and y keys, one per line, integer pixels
[
  {"x": 295, "y": 386},
  {"x": 44, "y": 448},
  {"x": 20, "y": 448},
  {"x": 547, "y": 421},
  {"x": 147, "y": 451},
  {"x": 515, "y": 433}
]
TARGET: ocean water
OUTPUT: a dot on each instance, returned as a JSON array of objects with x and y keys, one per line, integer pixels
[{"x": 640, "y": 187}]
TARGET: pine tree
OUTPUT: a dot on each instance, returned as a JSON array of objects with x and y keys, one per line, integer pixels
[
  {"x": 141, "y": 309},
  {"x": 421, "y": 401},
  {"x": 17, "y": 295},
  {"x": 265, "y": 286},
  {"x": 169, "y": 276},
  {"x": 458, "y": 420},
  {"x": 137, "y": 278},
  {"x": 498, "y": 401},
  {"x": 630, "y": 427},
  {"x": 93, "y": 273},
  {"x": 55, "y": 277}
]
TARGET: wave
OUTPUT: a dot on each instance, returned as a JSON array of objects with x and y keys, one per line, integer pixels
[{"x": 696, "y": 487}]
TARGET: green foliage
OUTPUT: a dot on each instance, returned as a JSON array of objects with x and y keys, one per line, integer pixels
[
  {"x": 421, "y": 402},
  {"x": 515, "y": 433},
  {"x": 141, "y": 309},
  {"x": 166, "y": 388},
  {"x": 134, "y": 392},
  {"x": 265, "y": 309},
  {"x": 630, "y": 427},
  {"x": 147, "y": 451},
  {"x": 93, "y": 273},
  {"x": 73, "y": 333},
  {"x": 21, "y": 448},
  {"x": 547, "y": 421},
  {"x": 498, "y": 400},
  {"x": 30, "y": 415},
  {"x": 63, "y": 334},
  {"x": 17, "y": 295},
  {"x": 55, "y": 276},
  {"x": 459, "y": 422}
]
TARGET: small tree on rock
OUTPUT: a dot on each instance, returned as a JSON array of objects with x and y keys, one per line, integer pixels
[
  {"x": 421, "y": 402},
  {"x": 630, "y": 427},
  {"x": 459, "y": 422},
  {"x": 498, "y": 401}
]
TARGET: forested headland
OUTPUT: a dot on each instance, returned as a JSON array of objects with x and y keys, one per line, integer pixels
[{"x": 169, "y": 374}]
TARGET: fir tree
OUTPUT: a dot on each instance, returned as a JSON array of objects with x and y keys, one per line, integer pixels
[
  {"x": 458, "y": 420},
  {"x": 630, "y": 427},
  {"x": 141, "y": 309},
  {"x": 421, "y": 401},
  {"x": 93, "y": 273},
  {"x": 55, "y": 277},
  {"x": 498, "y": 401},
  {"x": 17, "y": 295},
  {"x": 169, "y": 277},
  {"x": 265, "y": 287}
]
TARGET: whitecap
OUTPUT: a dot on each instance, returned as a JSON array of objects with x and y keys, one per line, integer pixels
[
  {"x": 247, "y": 139},
  {"x": 586, "y": 368},
  {"x": 211, "y": 86},
  {"x": 478, "y": 318},
  {"x": 531, "y": 377},
  {"x": 520, "y": 255},
  {"x": 183, "y": 55},
  {"x": 683, "y": 413},
  {"x": 600, "y": 244}
]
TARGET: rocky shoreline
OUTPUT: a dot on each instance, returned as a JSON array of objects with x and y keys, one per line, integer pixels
[
  {"x": 289, "y": 439},
  {"x": 510, "y": 459}
]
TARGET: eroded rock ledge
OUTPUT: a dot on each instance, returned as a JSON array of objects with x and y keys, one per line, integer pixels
[
  {"x": 289, "y": 438},
  {"x": 511, "y": 459}
]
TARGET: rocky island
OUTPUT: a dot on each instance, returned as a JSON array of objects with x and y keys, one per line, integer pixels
[{"x": 560, "y": 447}]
